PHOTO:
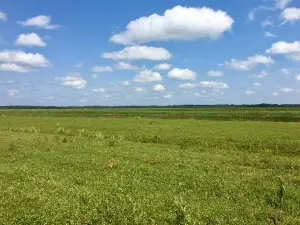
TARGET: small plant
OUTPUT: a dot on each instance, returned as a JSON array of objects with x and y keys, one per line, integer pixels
[
  {"x": 11, "y": 146},
  {"x": 64, "y": 140},
  {"x": 111, "y": 164},
  {"x": 156, "y": 139},
  {"x": 99, "y": 135},
  {"x": 111, "y": 142},
  {"x": 62, "y": 131}
]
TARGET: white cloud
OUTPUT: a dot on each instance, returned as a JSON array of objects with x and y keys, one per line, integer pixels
[
  {"x": 94, "y": 75},
  {"x": 213, "y": 84},
  {"x": 248, "y": 92},
  {"x": 125, "y": 82},
  {"x": 82, "y": 100},
  {"x": 182, "y": 74},
  {"x": 267, "y": 22},
  {"x": 40, "y": 21},
  {"x": 100, "y": 69},
  {"x": 50, "y": 97},
  {"x": 178, "y": 23},
  {"x": 187, "y": 85},
  {"x": 249, "y": 63},
  {"x": 12, "y": 67},
  {"x": 269, "y": 34},
  {"x": 252, "y": 13},
  {"x": 257, "y": 84},
  {"x": 12, "y": 92},
  {"x": 3, "y": 16},
  {"x": 297, "y": 77},
  {"x": 10, "y": 82},
  {"x": 291, "y": 14},
  {"x": 30, "y": 40},
  {"x": 73, "y": 80},
  {"x": 203, "y": 94},
  {"x": 287, "y": 90},
  {"x": 139, "y": 89},
  {"x": 283, "y": 47},
  {"x": 146, "y": 76},
  {"x": 285, "y": 71},
  {"x": 263, "y": 74},
  {"x": 281, "y": 4},
  {"x": 163, "y": 66},
  {"x": 30, "y": 59},
  {"x": 290, "y": 50},
  {"x": 126, "y": 66},
  {"x": 167, "y": 96},
  {"x": 158, "y": 88},
  {"x": 275, "y": 94},
  {"x": 213, "y": 73},
  {"x": 79, "y": 65},
  {"x": 101, "y": 90},
  {"x": 139, "y": 52}
]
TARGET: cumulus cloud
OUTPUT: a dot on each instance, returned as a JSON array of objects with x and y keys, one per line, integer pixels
[
  {"x": 12, "y": 92},
  {"x": 40, "y": 22},
  {"x": 289, "y": 50},
  {"x": 139, "y": 89},
  {"x": 100, "y": 69},
  {"x": 290, "y": 15},
  {"x": 94, "y": 75},
  {"x": 281, "y": 4},
  {"x": 12, "y": 67},
  {"x": 187, "y": 85},
  {"x": 139, "y": 52},
  {"x": 249, "y": 63},
  {"x": 249, "y": 92},
  {"x": 263, "y": 74},
  {"x": 30, "y": 40},
  {"x": 275, "y": 94},
  {"x": 167, "y": 96},
  {"x": 3, "y": 16},
  {"x": 162, "y": 66},
  {"x": 213, "y": 84},
  {"x": 159, "y": 88},
  {"x": 269, "y": 34},
  {"x": 73, "y": 80},
  {"x": 182, "y": 74},
  {"x": 126, "y": 66},
  {"x": 178, "y": 23},
  {"x": 30, "y": 59},
  {"x": 147, "y": 76},
  {"x": 297, "y": 77},
  {"x": 213, "y": 73},
  {"x": 101, "y": 90}
]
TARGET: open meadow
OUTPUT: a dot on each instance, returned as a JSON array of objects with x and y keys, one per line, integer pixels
[{"x": 150, "y": 166}]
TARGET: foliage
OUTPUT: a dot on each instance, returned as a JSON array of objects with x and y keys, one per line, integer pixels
[{"x": 65, "y": 167}]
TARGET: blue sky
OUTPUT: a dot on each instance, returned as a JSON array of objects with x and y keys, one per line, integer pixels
[{"x": 149, "y": 52}]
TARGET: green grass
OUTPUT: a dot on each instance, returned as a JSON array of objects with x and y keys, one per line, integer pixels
[
  {"x": 135, "y": 170},
  {"x": 279, "y": 114}
]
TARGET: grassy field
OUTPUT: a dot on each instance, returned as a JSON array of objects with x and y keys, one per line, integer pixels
[
  {"x": 150, "y": 166},
  {"x": 279, "y": 114}
]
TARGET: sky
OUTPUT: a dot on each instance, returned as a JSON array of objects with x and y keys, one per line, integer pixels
[{"x": 157, "y": 52}]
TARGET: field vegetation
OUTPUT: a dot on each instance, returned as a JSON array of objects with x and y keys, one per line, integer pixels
[{"x": 150, "y": 166}]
